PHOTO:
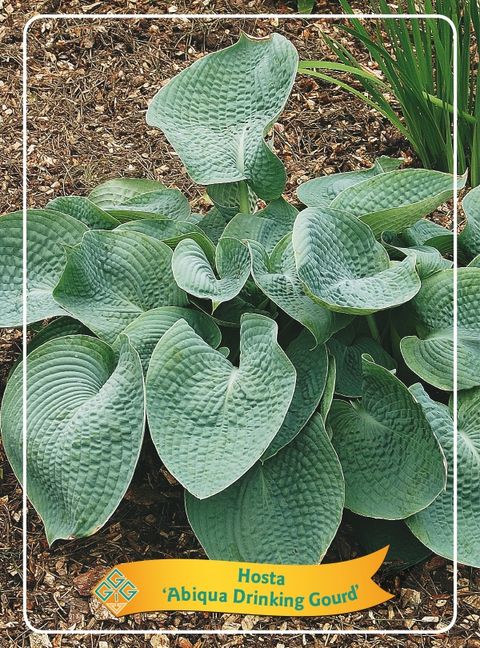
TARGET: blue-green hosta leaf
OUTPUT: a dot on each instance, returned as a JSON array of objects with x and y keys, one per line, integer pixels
[
  {"x": 469, "y": 237},
  {"x": 320, "y": 192},
  {"x": 220, "y": 136},
  {"x": 429, "y": 354},
  {"x": 47, "y": 232},
  {"x": 194, "y": 274},
  {"x": 286, "y": 510},
  {"x": 145, "y": 331},
  {"x": 344, "y": 268},
  {"x": 391, "y": 459},
  {"x": 329, "y": 391},
  {"x": 172, "y": 232},
  {"x": 85, "y": 424},
  {"x": 213, "y": 224},
  {"x": 113, "y": 277},
  {"x": 395, "y": 200},
  {"x": 226, "y": 198},
  {"x": 277, "y": 277},
  {"x": 115, "y": 192},
  {"x": 166, "y": 203},
  {"x": 434, "y": 525},
  {"x": 428, "y": 260},
  {"x": 347, "y": 347},
  {"x": 267, "y": 226},
  {"x": 84, "y": 210},
  {"x": 59, "y": 327},
  {"x": 211, "y": 421},
  {"x": 311, "y": 365},
  {"x": 228, "y": 314},
  {"x": 475, "y": 262},
  {"x": 427, "y": 232}
]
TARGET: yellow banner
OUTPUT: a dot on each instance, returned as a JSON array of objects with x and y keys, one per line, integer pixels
[{"x": 245, "y": 588}]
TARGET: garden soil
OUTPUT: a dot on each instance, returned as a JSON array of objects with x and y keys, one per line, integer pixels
[{"x": 89, "y": 84}]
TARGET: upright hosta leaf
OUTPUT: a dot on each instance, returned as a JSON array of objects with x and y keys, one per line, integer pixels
[
  {"x": 267, "y": 226},
  {"x": 113, "y": 277},
  {"x": 320, "y": 192},
  {"x": 344, "y": 268},
  {"x": 427, "y": 232},
  {"x": 392, "y": 461},
  {"x": 277, "y": 277},
  {"x": 211, "y": 421},
  {"x": 434, "y": 525},
  {"x": 167, "y": 203},
  {"x": 84, "y": 210},
  {"x": 227, "y": 197},
  {"x": 115, "y": 192},
  {"x": 47, "y": 232},
  {"x": 286, "y": 510},
  {"x": 145, "y": 331},
  {"x": 85, "y": 422},
  {"x": 172, "y": 232},
  {"x": 220, "y": 136},
  {"x": 469, "y": 238},
  {"x": 347, "y": 347},
  {"x": 311, "y": 365},
  {"x": 194, "y": 274},
  {"x": 430, "y": 353},
  {"x": 396, "y": 200}
]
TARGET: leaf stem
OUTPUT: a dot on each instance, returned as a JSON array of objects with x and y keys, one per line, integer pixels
[
  {"x": 244, "y": 201},
  {"x": 372, "y": 325}
]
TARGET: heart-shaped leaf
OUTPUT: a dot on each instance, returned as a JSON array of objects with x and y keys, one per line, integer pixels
[
  {"x": 85, "y": 424},
  {"x": 434, "y": 525},
  {"x": 310, "y": 362},
  {"x": 266, "y": 226},
  {"x": 115, "y": 192},
  {"x": 395, "y": 200},
  {"x": 145, "y": 331},
  {"x": 194, "y": 274},
  {"x": 392, "y": 462},
  {"x": 469, "y": 238},
  {"x": 47, "y": 233},
  {"x": 344, "y": 268},
  {"x": 285, "y": 511},
  {"x": 430, "y": 353},
  {"x": 211, "y": 421},
  {"x": 347, "y": 347},
  {"x": 113, "y": 277},
  {"x": 320, "y": 192},
  {"x": 84, "y": 210},
  {"x": 220, "y": 136},
  {"x": 277, "y": 277},
  {"x": 172, "y": 232}
]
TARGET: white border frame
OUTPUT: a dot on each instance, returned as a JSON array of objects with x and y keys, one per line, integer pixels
[{"x": 233, "y": 16}]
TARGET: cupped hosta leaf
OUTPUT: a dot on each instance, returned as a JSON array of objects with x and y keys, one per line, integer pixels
[
  {"x": 60, "y": 327},
  {"x": 227, "y": 198},
  {"x": 277, "y": 277},
  {"x": 194, "y": 274},
  {"x": 113, "y": 277},
  {"x": 84, "y": 210},
  {"x": 115, "y": 192},
  {"x": 392, "y": 461},
  {"x": 145, "y": 331},
  {"x": 85, "y": 422},
  {"x": 47, "y": 232},
  {"x": 428, "y": 260},
  {"x": 347, "y": 347},
  {"x": 427, "y": 232},
  {"x": 344, "y": 268},
  {"x": 172, "y": 232},
  {"x": 311, "y": 365},
  {"x": 430, "y": 353},
  {"x": 469, "y": 238},
  {"x": 286, "y": 510},
  {"x": 396, "y": 200},
  {"x": 167, "y": 203},
  {"x": 329, "y": 391},
  {"x": 220, "y": 136},
  {"x": 267, "y": 226},
  {"x": 320, "y": 192},
  {"x": 211, "y": 421}
]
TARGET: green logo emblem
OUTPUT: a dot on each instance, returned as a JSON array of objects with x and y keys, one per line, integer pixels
[{"x": 115, "y": 591}]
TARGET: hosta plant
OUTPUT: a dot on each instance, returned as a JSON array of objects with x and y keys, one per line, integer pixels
[{"x": 288, "y": 361}]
